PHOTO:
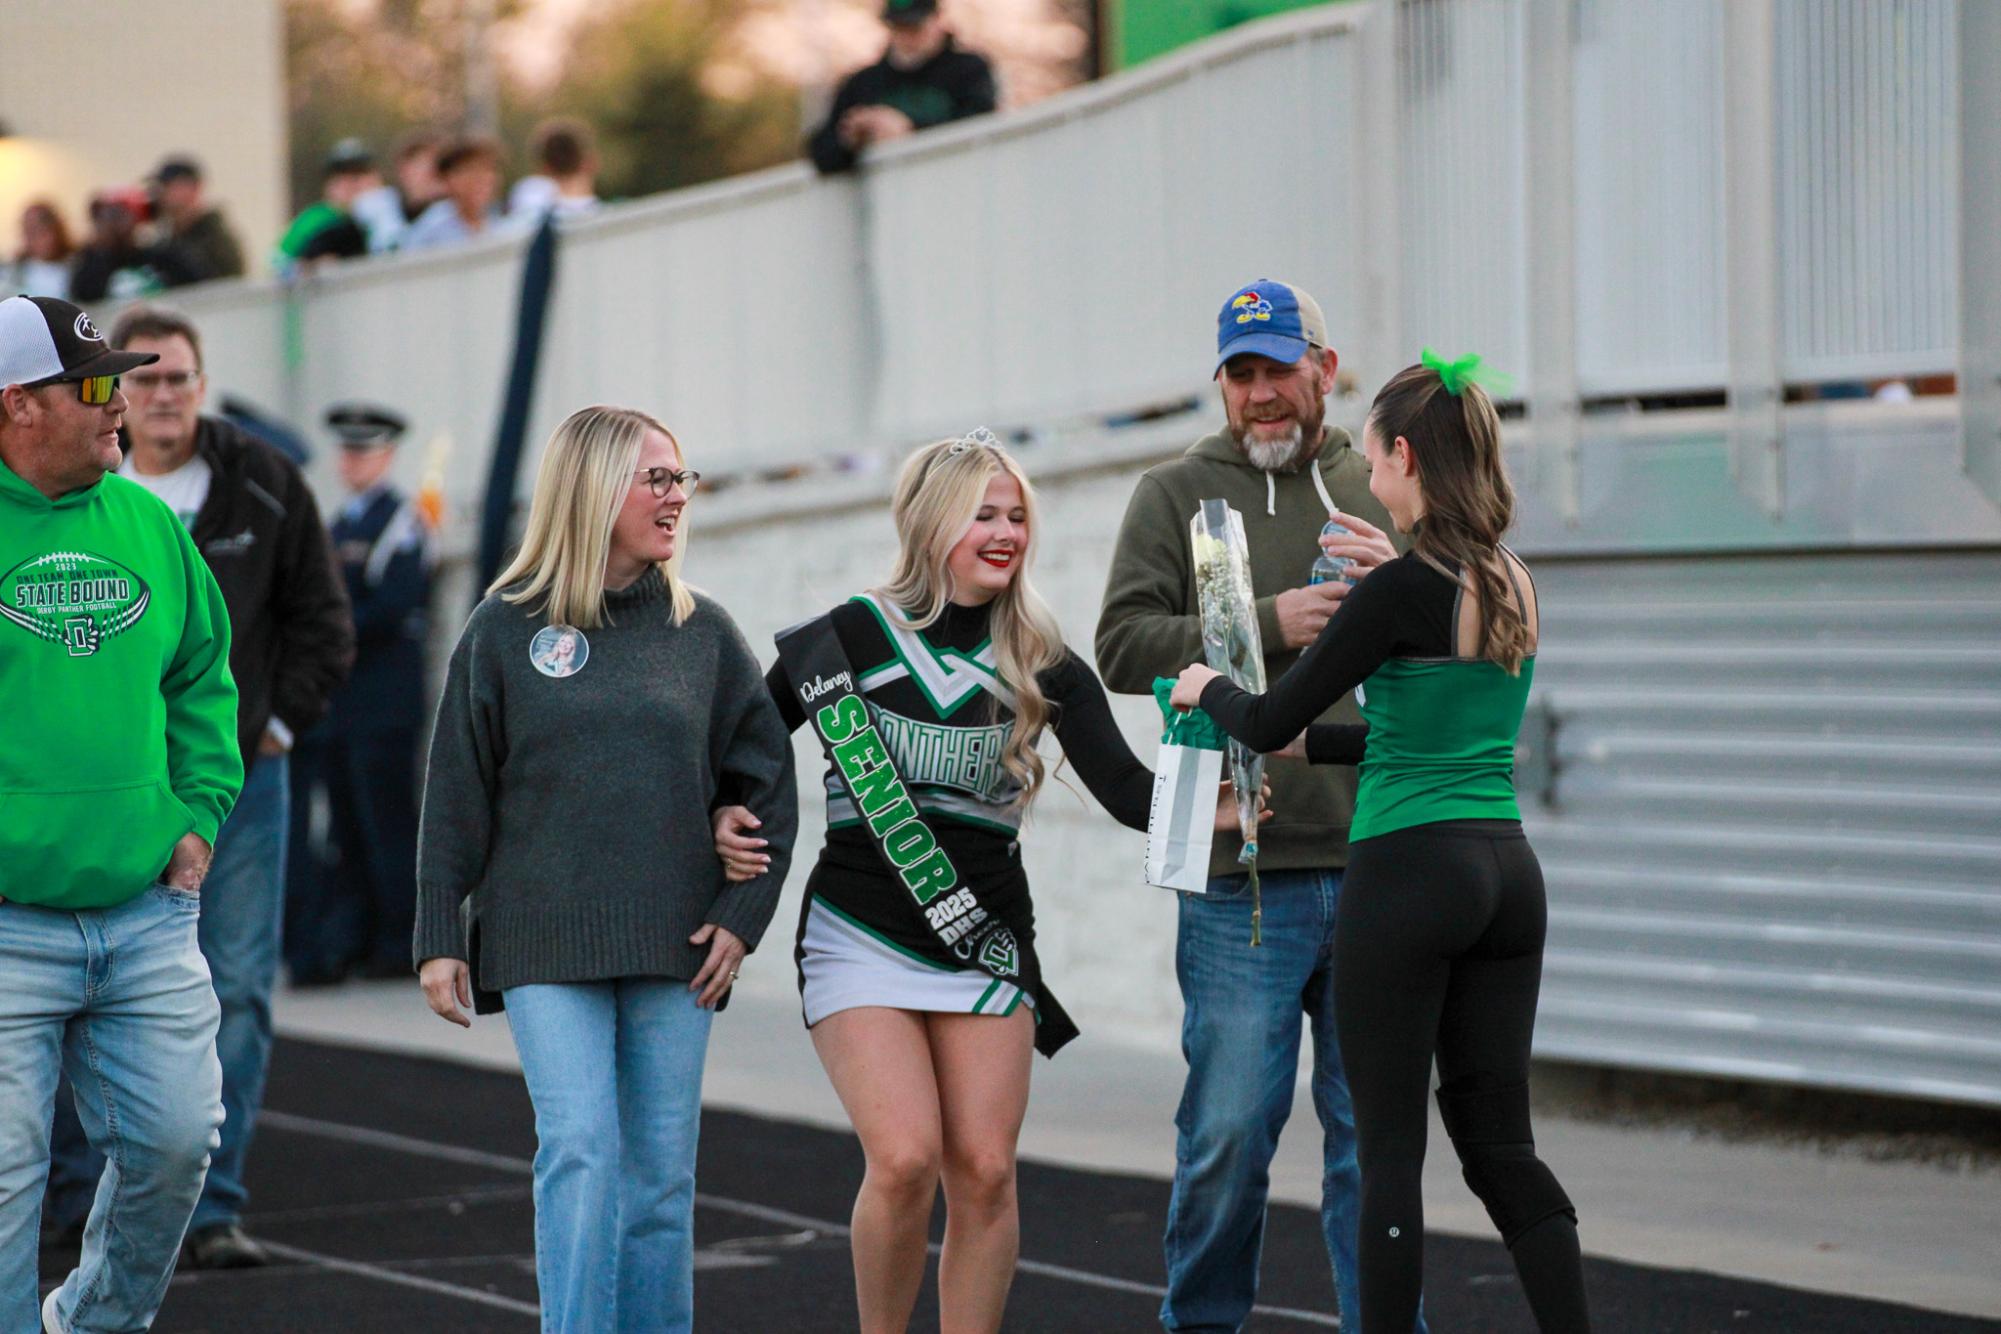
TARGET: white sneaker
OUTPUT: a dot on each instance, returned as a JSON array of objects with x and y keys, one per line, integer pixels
[{"x": 49, "y": 1325}]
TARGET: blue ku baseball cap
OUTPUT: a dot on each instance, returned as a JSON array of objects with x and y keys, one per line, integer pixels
[{"x": 1269, "y": 319}]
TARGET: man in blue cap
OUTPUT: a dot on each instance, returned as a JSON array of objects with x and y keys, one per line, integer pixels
[
  {"x": 1287, "y": 472},
  {"x": 351, "y": 906}
]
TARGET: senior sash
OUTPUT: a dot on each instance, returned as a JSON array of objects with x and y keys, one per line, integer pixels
[{"x": 824, "y": 682}]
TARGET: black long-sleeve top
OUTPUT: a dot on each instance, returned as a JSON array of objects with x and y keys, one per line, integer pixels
[
  {"x": 1404, "y": 609},
  {"x": 1081, "y": 716},
  {"x": 950, "y": 86},
  {"x": 947, "y": 750}
]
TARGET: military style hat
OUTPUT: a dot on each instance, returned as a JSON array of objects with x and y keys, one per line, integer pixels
[{"x": 365, "y": 425}]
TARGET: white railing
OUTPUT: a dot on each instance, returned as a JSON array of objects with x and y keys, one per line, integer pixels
[
  {"x": 1072, "y": 261},
  {"x": 1867, "y": 99},
  {"x": 1463, "y": 200},
  {"x": 1606, "y": 198},
  {"x": 1649, "y": 198}
]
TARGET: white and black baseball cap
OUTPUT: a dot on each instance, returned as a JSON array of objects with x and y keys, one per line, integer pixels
[{"x": 44, "y": 339}]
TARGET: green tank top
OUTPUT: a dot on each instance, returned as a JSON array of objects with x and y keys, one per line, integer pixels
[{"x": 1441, "y": 743}]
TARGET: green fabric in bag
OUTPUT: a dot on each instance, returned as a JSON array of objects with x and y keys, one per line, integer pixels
[{"x": 1194, "y": 729}]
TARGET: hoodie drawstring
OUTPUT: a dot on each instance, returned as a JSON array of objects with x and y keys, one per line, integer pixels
[{"x": 1321, "y": 486}]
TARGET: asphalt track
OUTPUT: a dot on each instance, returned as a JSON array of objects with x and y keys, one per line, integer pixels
[{"x": 396, "y": 1190}]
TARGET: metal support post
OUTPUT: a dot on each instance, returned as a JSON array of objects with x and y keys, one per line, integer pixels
[{"x": 1750, "y": 191}]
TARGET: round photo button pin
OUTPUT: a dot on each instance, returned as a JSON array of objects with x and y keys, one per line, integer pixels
[{"x": 559, "y": 651}]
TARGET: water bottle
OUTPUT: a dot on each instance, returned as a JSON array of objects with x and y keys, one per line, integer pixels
[{"x": 1327, "y": 568}]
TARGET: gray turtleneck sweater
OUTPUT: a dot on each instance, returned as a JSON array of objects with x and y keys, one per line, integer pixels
[{"x": 572, "y": 811}]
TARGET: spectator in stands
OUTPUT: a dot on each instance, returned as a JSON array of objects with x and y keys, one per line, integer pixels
[
  {"x": 565, "y": 183},
  {"x": 191, "y": 229},
  {"x": 471, "y": 171},
  {"x": 922, "y": 80},
  {"x": 328, "y": 229},
  {"x": 351, "y": 906},
  {"x": 113, "y": 264},
  {"x": 257, "y": 526},
  {"x": 386, "y": 211},
  {"x": 41, "y": 266}
]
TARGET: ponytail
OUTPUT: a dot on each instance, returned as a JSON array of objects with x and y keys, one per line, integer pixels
[{"x": 1455, "y": 440}]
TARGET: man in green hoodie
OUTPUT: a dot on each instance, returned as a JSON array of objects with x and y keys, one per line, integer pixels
[
  {"x": 118, "y": 763},
  {"x": 1287, "y": 473}
]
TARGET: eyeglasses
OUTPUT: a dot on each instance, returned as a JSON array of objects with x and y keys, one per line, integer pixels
[
  {"x": 96, "y": 390},
  {"x": 148, "y": 381},
  {"x": 663, "y": 480}
]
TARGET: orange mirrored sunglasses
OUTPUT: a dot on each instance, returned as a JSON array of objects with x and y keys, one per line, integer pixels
[{"x": 96, "y": 390}]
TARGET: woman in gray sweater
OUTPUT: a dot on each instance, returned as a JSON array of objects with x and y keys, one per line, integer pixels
[{"x": 565, "y": 866}]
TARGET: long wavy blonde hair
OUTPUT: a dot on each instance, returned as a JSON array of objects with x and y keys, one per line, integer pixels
[
  {"x": 587, "y": 469},
  {"x": 938, "y": 494}
]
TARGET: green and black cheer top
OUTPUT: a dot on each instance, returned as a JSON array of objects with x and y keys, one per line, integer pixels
[
  {"x": 945, "y": 716},
  {"x": 1438, "y": 742}
]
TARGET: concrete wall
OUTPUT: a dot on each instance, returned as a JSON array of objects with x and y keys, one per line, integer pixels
[{"x": 96, "y": 92}]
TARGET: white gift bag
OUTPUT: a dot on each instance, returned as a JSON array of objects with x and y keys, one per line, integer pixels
[{"x": 1182, "y": 824}]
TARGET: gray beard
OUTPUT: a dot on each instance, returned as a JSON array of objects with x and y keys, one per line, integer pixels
[{"x": 1268, "y": 455}]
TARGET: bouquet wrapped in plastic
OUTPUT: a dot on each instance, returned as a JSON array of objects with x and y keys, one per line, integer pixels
[{"x": 1231, "y": 645}]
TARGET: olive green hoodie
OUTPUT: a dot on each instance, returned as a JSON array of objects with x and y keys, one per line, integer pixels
[
  {"x": 1149, "y": 625},
  {"x": 118, "y": 732}
]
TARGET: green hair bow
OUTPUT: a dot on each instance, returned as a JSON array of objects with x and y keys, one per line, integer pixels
[{"x": 1456, "y": 375}]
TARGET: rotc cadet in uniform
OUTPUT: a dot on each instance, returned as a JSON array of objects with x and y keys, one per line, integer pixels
[{"x": 356, "y": 899}]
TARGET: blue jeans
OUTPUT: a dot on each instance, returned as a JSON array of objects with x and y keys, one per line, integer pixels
[
  {"x": 614, "y": 1070},
  {"x": 242, "y": 919},
  {"x": 120, "y": 999},
  {"x": 1240, "y": 1032}
]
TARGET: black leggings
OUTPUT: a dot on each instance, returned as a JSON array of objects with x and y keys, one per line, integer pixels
[{"x": 1438, "y": 949}]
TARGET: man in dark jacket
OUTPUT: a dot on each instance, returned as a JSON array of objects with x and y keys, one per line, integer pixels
[
  {"x": 192, "y": 230},
  {"x": 113, "y": 264},
  {"x": 255, "y": 523},
  {"x": 922, "y": 80}
]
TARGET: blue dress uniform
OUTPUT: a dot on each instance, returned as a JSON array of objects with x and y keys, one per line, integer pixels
[{"x": 354, "y": 900}]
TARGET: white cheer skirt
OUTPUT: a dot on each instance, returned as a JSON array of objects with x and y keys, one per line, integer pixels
[{"x": 844, "y": 965}]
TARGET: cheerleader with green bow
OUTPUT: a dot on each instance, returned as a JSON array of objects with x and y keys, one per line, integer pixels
[{"x": 1439, "y": 935}]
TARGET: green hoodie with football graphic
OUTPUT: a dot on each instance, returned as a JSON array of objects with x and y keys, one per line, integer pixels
[{"x": 119, "y": 730}]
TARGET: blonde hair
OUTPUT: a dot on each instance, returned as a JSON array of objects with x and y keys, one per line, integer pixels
[
  {"x": 938, "y": 494},
  {"x": 586, "y": 470}
]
